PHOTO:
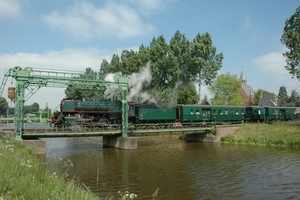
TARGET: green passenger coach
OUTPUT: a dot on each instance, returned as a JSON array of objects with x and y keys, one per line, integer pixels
[
  {"x": 188, "y": 113},
  {"x": 279, "y": 113},
  {"x": 255, "y": 113}
]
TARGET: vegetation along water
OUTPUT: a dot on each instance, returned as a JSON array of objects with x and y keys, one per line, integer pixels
[
  {"x": 276, "y": 133},
  {"x": 24, "y": 176}
]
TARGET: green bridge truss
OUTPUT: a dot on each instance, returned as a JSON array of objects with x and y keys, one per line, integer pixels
[{"x": 31, "y": 80}]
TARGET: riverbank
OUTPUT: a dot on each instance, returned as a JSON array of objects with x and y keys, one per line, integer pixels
[
  {"x": 276, "y": 133},
  {"x": 24, "y": 176}
]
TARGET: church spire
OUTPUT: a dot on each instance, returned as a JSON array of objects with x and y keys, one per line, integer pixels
[{"x": 243, "y": 78}]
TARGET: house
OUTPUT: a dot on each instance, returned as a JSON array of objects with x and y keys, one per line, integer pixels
[
  {"x": 267, "y": 100},
  {"x": 246, "y": 91}
]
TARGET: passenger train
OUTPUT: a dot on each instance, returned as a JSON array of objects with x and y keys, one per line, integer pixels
[{"x": 99, "y": 112}]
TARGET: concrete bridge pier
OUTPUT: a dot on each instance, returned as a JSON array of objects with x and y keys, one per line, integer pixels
[
  {"x": 120, "y": 142},
  {"x": 221, "y": 131}
]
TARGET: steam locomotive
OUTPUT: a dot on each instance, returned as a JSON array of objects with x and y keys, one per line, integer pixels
[{"x": 97, "y": 112}]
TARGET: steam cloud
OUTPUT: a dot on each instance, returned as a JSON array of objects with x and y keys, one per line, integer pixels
[
  {"x": 135, "y": 84},
  {"x": 112, "y": 88}
]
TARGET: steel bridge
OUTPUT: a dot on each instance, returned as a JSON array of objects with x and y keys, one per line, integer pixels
[
  {"x": 32, "y": 131},
  {"x": 31, "y": 80}
]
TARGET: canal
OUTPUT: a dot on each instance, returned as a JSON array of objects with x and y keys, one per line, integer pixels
[{"x": 180, "y": 170}]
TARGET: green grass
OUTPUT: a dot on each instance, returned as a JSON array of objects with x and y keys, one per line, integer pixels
[
  {"x": 277, "y": 133},
  {"x": 24, "y": 176}
]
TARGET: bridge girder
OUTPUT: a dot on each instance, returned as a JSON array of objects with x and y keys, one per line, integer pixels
[{"x": 33, "y": 79}]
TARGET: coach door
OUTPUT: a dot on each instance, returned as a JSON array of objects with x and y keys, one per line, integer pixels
[
  {"x": 282, "y": 114},
  {"x": 206, "y": 114}
]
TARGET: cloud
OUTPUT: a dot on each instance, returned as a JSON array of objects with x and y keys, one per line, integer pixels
[
  {"x": 10, "y": 9},
  {"x": 84, "y": 21},
  {"x": 65, "y": 60},
  {"x": 271, "y": 65},
  {"x": 148, "y": 6},
  {"x": 247, "y": 22}
]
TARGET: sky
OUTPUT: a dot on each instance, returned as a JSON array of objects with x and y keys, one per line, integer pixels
[{"x": 74, "y": 35}]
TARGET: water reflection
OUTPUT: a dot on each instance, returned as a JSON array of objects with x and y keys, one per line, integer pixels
[{"x": 182, "y": 170}]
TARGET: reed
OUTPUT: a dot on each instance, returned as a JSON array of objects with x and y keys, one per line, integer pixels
[
  {"x": 276, "y": 133},
  {"x": 24, "y": 176}
]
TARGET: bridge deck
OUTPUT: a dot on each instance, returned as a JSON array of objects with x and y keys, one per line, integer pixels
[{"x": 43, "y": 131}]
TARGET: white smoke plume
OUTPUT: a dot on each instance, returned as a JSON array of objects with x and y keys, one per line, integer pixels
[
  {"x": 136, "y": 82},
  {"x": 111, "y": 89}
]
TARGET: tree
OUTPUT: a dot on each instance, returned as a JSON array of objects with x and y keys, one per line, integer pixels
[
  {"x": 3, "y": 106},
  {"x": 130, "y": 62},
  {"x": 283, "y": 98},
  {"x": 46, "y": 113},
  {"x": 294, "y": 99},
  {"x": 205, "y": 60},
  {"x": 173, "y": 64},
  {"x": 291, "y": 39},
  {"x": 205, "y": 100},
  {"x": 104, "y": 67},
  {"x": 159, "y": 63},
  {"x": 225, "y": 89},
  {"x": 79, "y": 93},
  {"x": 34, "y": 108},
  {"x": 188, "y": 95}
]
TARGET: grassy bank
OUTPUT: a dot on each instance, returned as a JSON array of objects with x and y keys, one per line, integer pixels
[
  {"x": 23, "y": 176},
  {"x": 277, "y": 133}
]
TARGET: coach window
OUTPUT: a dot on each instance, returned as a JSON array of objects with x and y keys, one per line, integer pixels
[
  {"x": 220, "y": 112},
  {"x": 231, "y": 112},
  {"x": 243, "y": 112},
  {"x": 237, "y": 112},
  {"x": 255, "y": 111},
  {"x": 197, "y": 112},
  {"x": 226, "y": 112},
  {"x": 214, "y": 112},
  {"x": 192, "y": 111}
]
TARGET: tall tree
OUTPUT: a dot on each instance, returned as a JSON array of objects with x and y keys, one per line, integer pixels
[
  {"x": 115, "y": 64},
  {"x": 3, "y": 106},
  {"x": 205, "y": 100},
  {"x": 130, "y": 62},
  {"x": 283, "y": 98},
  {"x": 188, "y": 95},
  {"x": 225, "y": 89},
  {"x": 205, "y": 60},
  {"x": 104, "y": 67},
  {"x": 179, "y": 63},
  {"x": 294, "y": 99},
  {"x": 143, "y": 55},
  {"x": 78, "y": 92},
  {"x": 291, "y": 39},
  {"x": 159, "y": 63},
  {"x": 179, "y": 58}
]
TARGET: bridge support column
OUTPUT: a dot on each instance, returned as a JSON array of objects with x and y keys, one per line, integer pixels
[
  {"x": 120, "y": 142},
  {"x": 209, "y": 137}
]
